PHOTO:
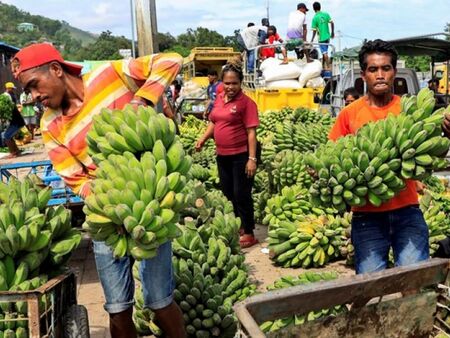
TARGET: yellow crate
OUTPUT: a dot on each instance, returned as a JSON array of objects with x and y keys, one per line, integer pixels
[{"x": 275, "y": 99}]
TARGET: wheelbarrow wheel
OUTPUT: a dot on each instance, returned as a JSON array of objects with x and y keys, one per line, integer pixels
[{"x": 76, "y": 322}]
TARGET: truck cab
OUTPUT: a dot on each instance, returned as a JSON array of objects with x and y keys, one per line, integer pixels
[
  {"x": 346, "y": 72},
  {"x": 203, "y": 59}
]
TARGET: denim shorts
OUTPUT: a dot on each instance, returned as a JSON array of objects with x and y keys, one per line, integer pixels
[
  {"x": 324, "y": 48},
  {"x": 373, "y": 233},
  {"x": 11, "y": 131},
  {"x": 118, "y": 284}
]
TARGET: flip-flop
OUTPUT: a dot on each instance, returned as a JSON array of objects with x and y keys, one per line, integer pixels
[{"x": 247, "y": 243}]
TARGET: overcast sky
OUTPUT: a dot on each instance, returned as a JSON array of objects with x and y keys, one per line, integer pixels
[{"x": 355, "y": 19}]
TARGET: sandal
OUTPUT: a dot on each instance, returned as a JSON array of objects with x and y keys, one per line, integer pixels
[{"x": 246, "y": 241}]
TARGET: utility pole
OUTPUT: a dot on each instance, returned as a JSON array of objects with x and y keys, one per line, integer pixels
[
  {"x": 339, "y": 35},
  {"x": 133, "y": 24},
  {"x": 146, "y": 27},
  {"x": 267, "y": 7}
]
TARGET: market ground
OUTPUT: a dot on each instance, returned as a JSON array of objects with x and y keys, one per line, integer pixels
[{"x": 89, "y": 291}]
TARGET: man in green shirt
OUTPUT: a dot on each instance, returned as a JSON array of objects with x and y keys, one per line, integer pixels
[{"x": 320, "y": 24}]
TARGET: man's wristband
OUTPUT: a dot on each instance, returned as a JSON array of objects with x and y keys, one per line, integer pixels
[{"x": 254, "y": 159}]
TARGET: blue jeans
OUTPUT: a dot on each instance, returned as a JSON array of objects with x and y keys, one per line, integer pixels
[
  {"x": 118, "y": 284},
  {"x": 373, "y": 233},
  {"x": 250, "y": 60},
  {"x": 11, "y": 131}
]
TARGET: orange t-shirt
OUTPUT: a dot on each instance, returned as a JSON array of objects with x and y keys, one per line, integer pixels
[{"x": 349, "y": 120}]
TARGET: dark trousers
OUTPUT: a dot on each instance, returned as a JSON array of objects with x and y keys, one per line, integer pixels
[{"x": 237, "y": 187}]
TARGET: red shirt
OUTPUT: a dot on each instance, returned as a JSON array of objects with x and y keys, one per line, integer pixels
[
  {"x": 349, "y": 120},
  {"x": 269, "y": 52},
  {"x": 231, "y": 121}
]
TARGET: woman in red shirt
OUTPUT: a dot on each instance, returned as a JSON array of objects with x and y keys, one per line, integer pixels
[{"x": 233, "y": 123}]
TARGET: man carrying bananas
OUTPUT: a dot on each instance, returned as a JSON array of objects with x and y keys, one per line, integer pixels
[
  {"x": 71, "y": 102},
  {"x": 398, "y": 223}
]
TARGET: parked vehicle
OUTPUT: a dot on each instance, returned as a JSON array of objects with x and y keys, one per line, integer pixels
[{"x": 406, "y": 82}]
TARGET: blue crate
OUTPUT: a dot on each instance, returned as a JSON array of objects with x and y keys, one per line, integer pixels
[{"x": 44, "y": 169}]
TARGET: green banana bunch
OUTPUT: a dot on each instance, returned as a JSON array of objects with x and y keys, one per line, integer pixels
[
  {"x": 302, "y": 279},
  {"x": 435, "y": 184},
  {"x": 31, "y": 192},
  {"x": 207, "y": 310},
  {"x": 190, "y": 130},
  {"x": 199, "y": 172},
  {"x": 309, "y": 116},
  {"x": 206, "y": 158},
  {"x": 259, "y": 204},
  {"x": 144, "y": 318},
  {"x": 299, "y": 136},
  {"x": 269, "y": 119},
  {"x": 373, "y": 164},
  {"x": 137, "y": 193},
  {"x": 291, "y": 205},
  {"x": 288, "y": 169},
  {"x": 312, "y": 241},
  {"x": 135, "y": 131},
  {"x": 225, "y": 227}
]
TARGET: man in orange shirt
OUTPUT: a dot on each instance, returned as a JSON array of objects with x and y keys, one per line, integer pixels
[{"x": 398, "y": 223}]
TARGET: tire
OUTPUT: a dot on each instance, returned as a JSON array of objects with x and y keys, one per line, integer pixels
[{"x": 76, "y": 322}]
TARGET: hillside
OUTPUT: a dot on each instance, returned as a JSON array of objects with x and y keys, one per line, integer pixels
[{"x": 45, "y": 29}]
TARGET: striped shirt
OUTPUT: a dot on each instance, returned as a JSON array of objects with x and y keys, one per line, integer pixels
[{"x": 111, "y": 85}]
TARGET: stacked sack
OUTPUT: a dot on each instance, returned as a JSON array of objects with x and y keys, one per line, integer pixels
[
  {"x": 137, "y": 194},
  {"x": 373, "y": 164},
  {"x": 35, "y": 241},
  {"x": 277, "y": 75}
]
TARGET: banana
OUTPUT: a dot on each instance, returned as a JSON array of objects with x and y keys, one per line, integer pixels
[
  {"x": 120, "y": 247},
  {"x": 132, "y": 138},
  {"x": 161, "y": 170},
  {"x": 175, "y": 156},
  {"x": 159, "y": 151},
  {"x": 118, "y": 142}
]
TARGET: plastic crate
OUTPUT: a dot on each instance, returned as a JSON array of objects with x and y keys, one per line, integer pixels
[{"x": 46, "y": 305}]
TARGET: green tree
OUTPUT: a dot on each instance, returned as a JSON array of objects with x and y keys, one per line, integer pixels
[
  {"x": 200, "y": 37},
  {"x": 418, "y": 63},
  {"x": 166, "y": 41},
  {"x": 105, "y": 48},
  {"x": 447, "y": 29}
]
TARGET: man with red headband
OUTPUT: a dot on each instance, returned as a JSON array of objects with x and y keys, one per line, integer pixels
[{"x": 71, "y": 101}]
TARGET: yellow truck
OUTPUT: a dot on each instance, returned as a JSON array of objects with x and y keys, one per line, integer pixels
[
  {"x": 276, "y": 98},
  {"x": 441, "y": 72},
  {"x": 202, "y": 59}
]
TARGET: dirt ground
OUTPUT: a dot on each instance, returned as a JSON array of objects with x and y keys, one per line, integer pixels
[{"x": 89, "y": 291}]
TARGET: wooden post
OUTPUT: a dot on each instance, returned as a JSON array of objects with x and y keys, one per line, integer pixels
[{"x": 146, "y": 26}]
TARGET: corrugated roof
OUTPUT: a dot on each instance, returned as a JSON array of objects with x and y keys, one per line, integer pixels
[{"x": 9, "y": 48}]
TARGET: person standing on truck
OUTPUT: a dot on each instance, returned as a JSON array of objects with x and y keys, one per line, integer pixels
[
  {"x": 15, "y": 123},
  {"x": 215, "y": 87},
  {"x": 398, "y": 223},
  {"x": 233, "y": 123},
  {"x": 297, "y": 25},
  {"x": 273, "y": 38},
  {"x": 71, "y": 102},
  {"x": 320, "y": 24},
  {"x": 249, "y": 38}
]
